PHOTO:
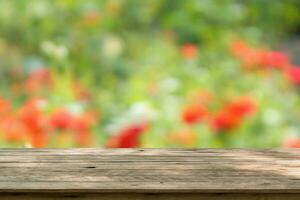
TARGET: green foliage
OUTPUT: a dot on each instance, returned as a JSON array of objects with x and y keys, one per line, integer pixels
[{"x": 128, "y": 55}]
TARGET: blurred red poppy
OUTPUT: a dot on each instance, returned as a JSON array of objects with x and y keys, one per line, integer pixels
[
  {"x": 225, "y": 121},
  {"x": 233, "y": 113},
  {"x": 238, "y": 47},
  {"x": 13, "y": 130},
  {"x": 189, "y": 51},
  {"x": 292, "y": 142},
  {"x": 242, "y": 106},
  {"x": 84, "y": 139},
  {"x": 275, "y": 59},
  {"x": 293, "y": 74},
  {"x": 81, "y": 125},
  {"x": 39, "y": 140},
  {"x": 32, "y": 116},
  {"x": 128, "y": 137},
  {"x": 255, "y": 57},
  {"x": 61, "y": 119},
  {"x": 194, "y": 113},
  {"x": 84, "y": 121},
  {"x": 4, "y": 105}
]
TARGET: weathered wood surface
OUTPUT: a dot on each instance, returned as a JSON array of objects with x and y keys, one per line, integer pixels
[{"x": 149, "y": 174}]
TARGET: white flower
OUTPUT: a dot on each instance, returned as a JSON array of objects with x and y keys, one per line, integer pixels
[
  {"x": 47, "y": 47},
  {"x": 116, "y": 125},
  {"x": 170, "y": 107},
  {"x": 60, "y": 52},
  {"x": 272, "y": 117},
  {"x": 75, "y": 108},
  {"x": 56, "y": 51},
  {"x": 141, "y": 111},
  {"x": 112, "y": 47},
  {"x": 169, "y": 85}
]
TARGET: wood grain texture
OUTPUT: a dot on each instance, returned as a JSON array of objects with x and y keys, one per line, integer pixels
[
  {"x": 148, "y": 196},
  {"x": 252, "y": 173}
]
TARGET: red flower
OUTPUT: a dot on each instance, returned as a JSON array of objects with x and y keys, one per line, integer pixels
[
  {"x": 233, "y": 113},
  {"x": 250, "y": 57},
  {"x": 275, "y": 59},
  {"x": 81, "y": 126},
  {"x": 32, "y": 116},
  {"x": 292, "y": 142},
  {"x": 189, "y": 51},
  {"x": 242, "y": 106},
  {"x": 239, "y": 47},
  {"x": 83, "y": 122},
  {"x": 14, "y": 130},
  {"x": 193, "y": 113},
  {"x": 293, "y": 74},
  {"x": 39, "y": 140},
  {"x": 61, "y": 119},
  {"x": 128, "y": 137},
  {"x": 4, "y": 105},
  {"x": 255, "y": 57},
  {"x": 225, "y": 121},
  {"x": 84, "y": 138}
]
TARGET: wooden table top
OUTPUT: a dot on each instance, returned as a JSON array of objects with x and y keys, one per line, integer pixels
[{"x": 150, "y": 170}]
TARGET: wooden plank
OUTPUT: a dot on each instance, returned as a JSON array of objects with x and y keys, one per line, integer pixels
[
  {"x": 155, "y": 171},
  {"x": 147, "y": 196}
]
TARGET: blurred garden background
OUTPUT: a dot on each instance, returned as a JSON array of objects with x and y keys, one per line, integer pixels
[{"x": 150, "y": 73}]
